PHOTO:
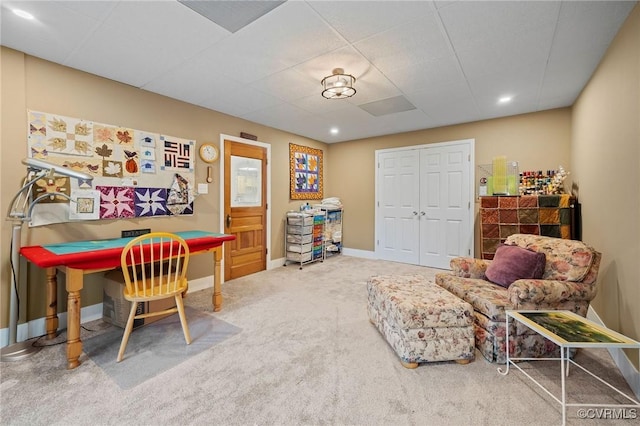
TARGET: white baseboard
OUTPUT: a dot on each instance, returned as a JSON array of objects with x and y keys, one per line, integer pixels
[
  {"x": 275, "y": 263},
  {"x": 38, "y": 327},
  {"x": 628, "y": 371},
  {"x": 365, "y": 254}
]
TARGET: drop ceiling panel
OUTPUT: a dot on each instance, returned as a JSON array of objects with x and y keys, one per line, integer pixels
[
  {"x": 189, "y": 33},
  {"x": 406, "y": 45},
  {"x": 355, "y": 20},
  {"x": 231, "y": 15},
  {"x": 98, "y": 9},
  {"x": 116, "y": 55},
  {"x": 318, "y": 105},
  {"x": 472, "y": 25},
  {"x": 52, "y": 35},
  {"x": 427, "y": 75},
  {"x": 289, "y": 85},
  {"x": 194, "y": 82},
  {"x": 522, "y": 50}
]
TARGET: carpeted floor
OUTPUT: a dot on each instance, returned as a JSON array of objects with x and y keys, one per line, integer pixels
[{"x": 306, "y": 355}]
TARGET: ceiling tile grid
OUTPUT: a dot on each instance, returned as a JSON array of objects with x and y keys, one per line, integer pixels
[{"x": 451, "y": 60}]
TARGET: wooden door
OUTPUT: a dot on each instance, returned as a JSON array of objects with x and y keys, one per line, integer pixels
[{"x": 245, "y": 208}]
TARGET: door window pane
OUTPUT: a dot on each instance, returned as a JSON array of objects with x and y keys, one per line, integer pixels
[{"x": 246, "y": 182}]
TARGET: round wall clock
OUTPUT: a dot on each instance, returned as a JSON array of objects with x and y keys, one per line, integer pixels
[{"x": 208, "y": 152}]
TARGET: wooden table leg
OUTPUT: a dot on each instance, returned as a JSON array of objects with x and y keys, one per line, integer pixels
[
  {"x": 74, "y": 344},
  {"x": 217, "y": 290},
  {"x": 51, "y": 319}
]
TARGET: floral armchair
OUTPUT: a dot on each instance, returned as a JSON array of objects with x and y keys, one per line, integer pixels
[{"x": 568, "y": 282}]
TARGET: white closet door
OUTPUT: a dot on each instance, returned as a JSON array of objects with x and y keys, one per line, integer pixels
[
  {"x": 445, "y": 204},
  {"x": 398, "y": 202},
  {"x": 424, "y": 196}
]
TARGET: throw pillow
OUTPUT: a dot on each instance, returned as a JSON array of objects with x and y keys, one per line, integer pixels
[{"x": 512, "y": 263}]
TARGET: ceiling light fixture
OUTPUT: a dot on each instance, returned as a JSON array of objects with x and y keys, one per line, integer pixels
[
  {"x": 338, "y": 85},
  {"x": 504, "y": 99},
  {"x": 334, "y": 131}
]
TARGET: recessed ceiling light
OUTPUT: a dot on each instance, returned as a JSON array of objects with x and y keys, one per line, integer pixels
[
  {"x": 334, "y": 131},
  {"x": 505, "y": 99},
  {"x": 21, "y": 13}
]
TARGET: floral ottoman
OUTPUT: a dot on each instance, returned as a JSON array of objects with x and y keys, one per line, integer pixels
[{"x": 421, "y": 321}]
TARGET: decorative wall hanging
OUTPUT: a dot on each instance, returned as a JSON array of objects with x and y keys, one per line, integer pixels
[
  {"x": 135, "y": 172},
  {"x": 305, "y": 171}
]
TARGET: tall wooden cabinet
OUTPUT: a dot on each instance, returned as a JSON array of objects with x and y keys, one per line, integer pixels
[{"x": 501, "y": 216}]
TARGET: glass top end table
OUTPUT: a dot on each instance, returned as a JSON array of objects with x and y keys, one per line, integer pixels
[{"x": 569, "y": 331}]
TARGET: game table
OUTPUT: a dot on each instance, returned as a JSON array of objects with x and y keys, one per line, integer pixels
[{"x": 78, "y": 258}]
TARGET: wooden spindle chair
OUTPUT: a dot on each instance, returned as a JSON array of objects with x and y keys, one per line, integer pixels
[{"x": 154, "y": 267}]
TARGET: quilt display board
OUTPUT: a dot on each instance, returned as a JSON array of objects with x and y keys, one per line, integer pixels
[{"x": 135, "y": 173}]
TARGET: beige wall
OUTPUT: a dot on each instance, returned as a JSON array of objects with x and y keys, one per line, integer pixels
[
  {"x": 538, "y": 141},
  {"x": 605, "y": 164},
  {"x": 31, "y": 83}
]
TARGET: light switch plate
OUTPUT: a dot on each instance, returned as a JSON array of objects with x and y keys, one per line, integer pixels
[{"x": 203, "y": 188}]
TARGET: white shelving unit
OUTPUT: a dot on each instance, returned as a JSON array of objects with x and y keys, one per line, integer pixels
[
  {"x": 304, "y": 237},
  {"x": 332, "y": 229}
]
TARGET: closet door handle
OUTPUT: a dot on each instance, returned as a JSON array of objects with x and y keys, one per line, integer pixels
[
  {"x": 422, "y": 213},
  {"x": 415, "y": 213},
  {"x": 228, "y": 221}
]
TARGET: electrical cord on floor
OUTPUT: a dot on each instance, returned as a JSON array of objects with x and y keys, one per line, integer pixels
[
  {"x": 37, "y": 343},
  {"x": 15, "y": 280}
]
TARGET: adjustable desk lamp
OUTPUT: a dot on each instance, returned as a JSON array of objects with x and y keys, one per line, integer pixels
[{"x": 20, "y": 210}]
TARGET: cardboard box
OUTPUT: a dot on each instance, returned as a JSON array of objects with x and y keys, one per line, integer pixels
[{"x": 115, "y": 308}]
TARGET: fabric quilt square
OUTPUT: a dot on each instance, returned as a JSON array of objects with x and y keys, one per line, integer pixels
[
  {"x": 528, "y": 201},
  {"x": 565, "y": 200},
  {"x": 530, "y": 229},
  {"x": 180, "y": 209},
  {"x": 550, "y": 231},
  {"x": 506, "y": 230},
  {"x": 490, "y": 244},
  {"x": 116, "y": 202},
  {"x": 490, "y": 230},
  {"x": 489, "y": 202},
  {"x": 550, "y": 216},
  {"x": 151, "y": 202},
  {"x": 549, "y": 200},
  {"x": 565, "y": 217},
  {"x": 528, "y": 216},
  {"x": 508, "y": 202},
  {"x": 508, "y": 216},
  {"x": 490, "y": 216}
]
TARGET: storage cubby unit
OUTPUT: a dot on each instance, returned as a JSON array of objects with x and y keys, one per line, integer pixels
[
  {"x": 304, "y": 237},
  {"x": 332, "y": 229}
]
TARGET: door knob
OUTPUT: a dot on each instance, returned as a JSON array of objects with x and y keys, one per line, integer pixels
[{"x": 228, "y": 221}]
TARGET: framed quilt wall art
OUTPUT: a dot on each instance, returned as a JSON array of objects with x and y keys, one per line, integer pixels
[{"x": 305, "y": 171}]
